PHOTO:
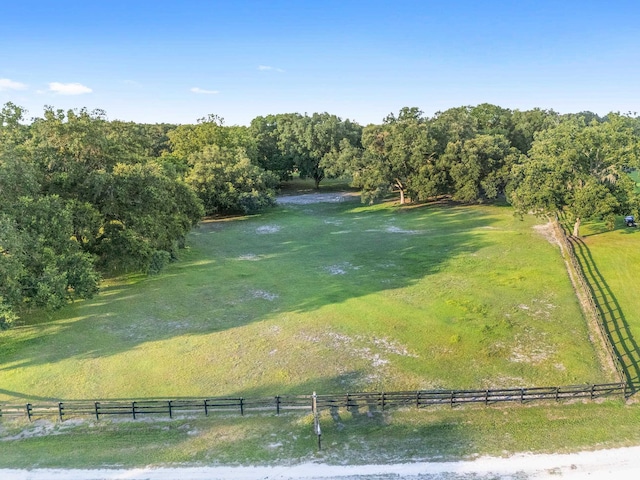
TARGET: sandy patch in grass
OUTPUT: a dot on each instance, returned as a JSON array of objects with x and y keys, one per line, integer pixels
[
  {"x": 539, "y": 309},
  {"x": 372, "y": 349},
  {"x": 264, "y": 295},
  {"x": 267, "y": 229},
  {"x": 548, "y": 232},
  {"x": 250, "y": 257},
  {"x": 340, "y": 268},
  {"x": 394, "y": 229},
  {"x": 530, "y": 350},
  {"x": 309, "y": 198},
  {"x": 42, "y": 428}
]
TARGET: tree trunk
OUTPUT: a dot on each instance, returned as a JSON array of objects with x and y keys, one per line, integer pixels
[
  {"x": 401, "y": 197},
  {"x": 576, "y": 228}
]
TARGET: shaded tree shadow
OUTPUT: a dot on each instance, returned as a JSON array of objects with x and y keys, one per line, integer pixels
[
  {"x": 27, "y": 397},
  {"x": 615, "y": 324}
]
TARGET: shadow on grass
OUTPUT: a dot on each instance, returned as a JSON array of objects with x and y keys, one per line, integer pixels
[
  {"x": 323, "y": 254},
  {"x": 615, "y": 323}
]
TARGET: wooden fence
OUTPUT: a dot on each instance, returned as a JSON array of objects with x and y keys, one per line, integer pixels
[
  {"x": 372, "y": 401},
  {"x": 568, "y": 247}
]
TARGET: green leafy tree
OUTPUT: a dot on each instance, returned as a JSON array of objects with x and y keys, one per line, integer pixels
[
  {"x": 492, "y": 119},
  {"x": 480, "y": 168},
  {"x": 227, "y": 181},
  {"x": 144, "y": 211},
  {"x": 398, "y": 156},
  {"x": 186, "y": 140},
  {"x": 579, "y": 170},
  {"x": 452, "y": 125},
  {"x": 55, "y": 269},
  {"x": 271, "y": 153},
  {"x": 527, "y": 123},
  {"x": 12, "y": 258},
  {"x": 312, "y": 140}
]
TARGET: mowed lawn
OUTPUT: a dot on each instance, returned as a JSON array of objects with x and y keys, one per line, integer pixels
[
  {"x": 331, "y": 297},
  {"x": 612, "y": 260}
]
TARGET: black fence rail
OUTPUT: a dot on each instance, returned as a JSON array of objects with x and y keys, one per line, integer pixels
[
  {"x": 567, "y": 245},
  {"x": 372, "y": 401}
]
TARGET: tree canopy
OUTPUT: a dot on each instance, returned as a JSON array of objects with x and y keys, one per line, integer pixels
[
  {"x": 82, "y": 196},
  {"x": 579, "y": 169}
]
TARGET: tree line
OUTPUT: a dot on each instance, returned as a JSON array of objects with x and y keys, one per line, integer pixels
[{"x": 82, "y": 196}]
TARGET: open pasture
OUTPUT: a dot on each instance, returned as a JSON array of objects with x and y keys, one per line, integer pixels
[
  {"x": 332, "y": 297},
  {"x": 611, "y": 262}
]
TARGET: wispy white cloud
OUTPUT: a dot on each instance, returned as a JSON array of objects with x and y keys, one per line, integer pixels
[
  {"x": 69, "y": 88},
  {"x": 6, "y": 84},
  {"x": 203, "y": 91},
  {"x": 266, "y": 68}
]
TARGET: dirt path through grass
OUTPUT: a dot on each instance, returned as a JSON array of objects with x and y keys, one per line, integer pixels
[{"x": 319, "y": 197}]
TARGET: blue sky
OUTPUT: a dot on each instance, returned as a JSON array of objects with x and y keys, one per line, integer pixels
[{"x": 155, "y": 61}]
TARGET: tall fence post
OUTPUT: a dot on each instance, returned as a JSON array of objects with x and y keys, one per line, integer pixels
[
  {"x": 277, "y": 404},
  {"x": 29, "y": 410},
  {"x": 316, "y": 419},
  {"x": 60, "y": 413}
]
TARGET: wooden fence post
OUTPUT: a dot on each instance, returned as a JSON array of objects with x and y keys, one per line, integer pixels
[
  {"x": 242, "y": 406},
  {"x": 206, "y": 409},
  {"x": 278, "y": 405},
  {"x": 60, "y": 411},
  {"x": 29, "y": 411},
  {"x": 170, "y": 409},
  {"x": 316, "y": 419},
  {"x": 418, "y": 399},
  {"x": 133, "y": 409},
  {"x": 96, "y": 406}
]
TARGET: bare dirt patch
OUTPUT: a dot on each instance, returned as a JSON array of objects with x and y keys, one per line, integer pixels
[
  {"x": 548, "y": 231},
  {"x": 267, "y": 229},
  {"x": 309, "y": 198}
]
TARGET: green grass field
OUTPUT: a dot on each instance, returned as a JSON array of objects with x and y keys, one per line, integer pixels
[
  {"x": 327, "y": 297},
  {"x": 332, "y": 298},
  {"x": 612, "y": 263}
]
